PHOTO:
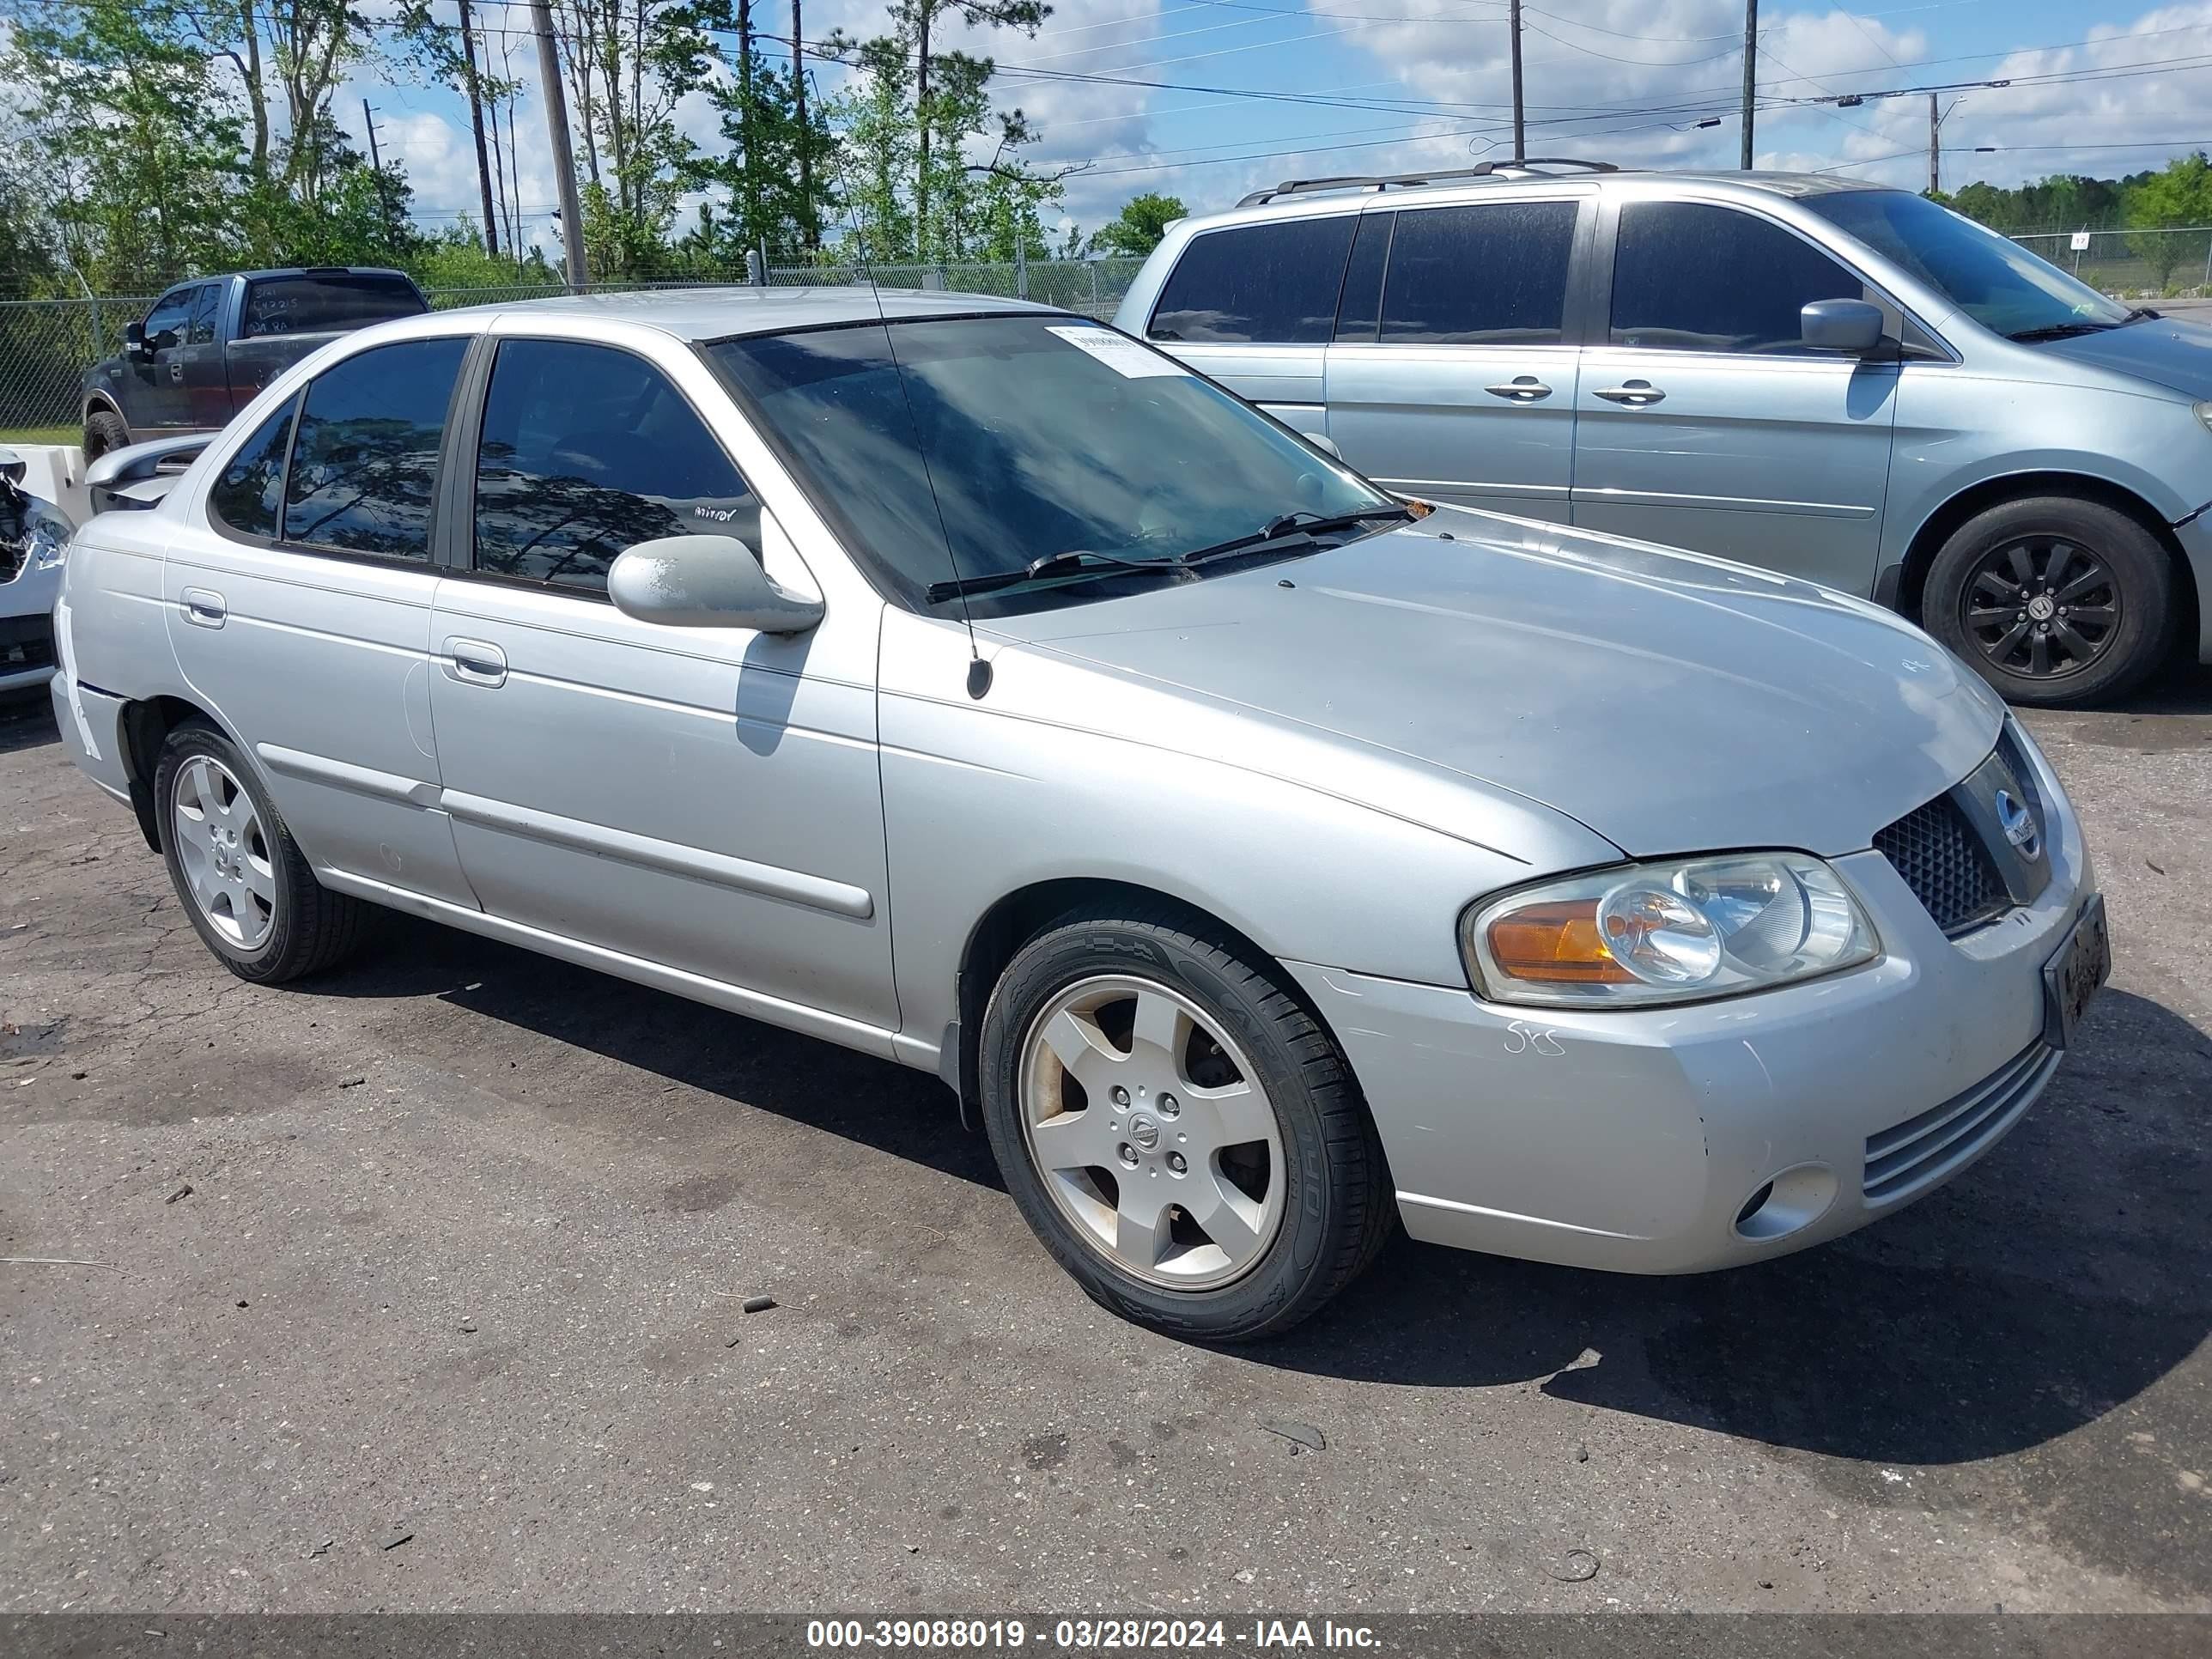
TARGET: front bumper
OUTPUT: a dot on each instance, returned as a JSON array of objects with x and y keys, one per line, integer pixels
[
  {"x": 1634, "y": 1140},
  {"x": 26, "y": 628}
]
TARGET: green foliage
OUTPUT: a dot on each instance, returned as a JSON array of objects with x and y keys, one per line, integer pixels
[
  {"x": 2179, "y": 195},
  {"x": 1137, "y": 229}
]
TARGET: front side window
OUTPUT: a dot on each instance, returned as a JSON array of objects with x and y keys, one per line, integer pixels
[
  {"x": 203, "y": 310},
  {"x": 1021, "y": 437},
  {"x": 1691, "y": 276},
  {"x": 1992, "y": 279},
  {"x": 247, "y": 495},
  {"x": 1270, "y": 283},
  {"x": 364, "y": 465},
  {"x": 1492, "y": 275},
  {"x": 171, "y": 314},
  {"x": 587, "y": 452}
]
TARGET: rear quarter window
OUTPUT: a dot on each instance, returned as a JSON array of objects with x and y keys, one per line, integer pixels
[
  {"x": 327, "y": 305},
  {"x": 1272, "y": 283}
]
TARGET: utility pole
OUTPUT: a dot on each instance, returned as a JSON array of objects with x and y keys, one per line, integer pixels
[
  {"x": 564, "y": 154},
  {"x": 476, "y": 125},
  {"x": 1750, "y": 74},
  {"x": 376, "y": 166},
  {"x": 1519, "y": 110},
  {"x": 1935, "y": 146},
  {"x": 810, "y": 230}
]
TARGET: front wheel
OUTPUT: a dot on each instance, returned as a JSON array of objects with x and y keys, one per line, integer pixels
[
  {"x": 2055, "y": 599},
  {"x": 104, "y": 434},
  {"x": 1178, "y": 1130}
]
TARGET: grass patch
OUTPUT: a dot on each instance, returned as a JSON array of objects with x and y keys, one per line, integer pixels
[{"x": 41, "y": 435}]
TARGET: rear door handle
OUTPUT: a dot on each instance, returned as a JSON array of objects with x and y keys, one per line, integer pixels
[
  {"x": 474, "y": 662},
  {"x": 1636, "y": 394},
  {"x": 1520, "y": 389},
  {"x": 202, "y": 607}
]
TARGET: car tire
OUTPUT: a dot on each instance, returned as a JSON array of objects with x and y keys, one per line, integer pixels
[
  {"x": 242, "y": 879},
  {"x": 1278, "y": 1153},
  {"x": 104, "y": 434},
  {"x": 1997, "y": 595}
]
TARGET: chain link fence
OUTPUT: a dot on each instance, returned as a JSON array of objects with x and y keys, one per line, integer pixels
[
  {"x": 47, "y": 345},
  {"x": 2131, "y": 265}
]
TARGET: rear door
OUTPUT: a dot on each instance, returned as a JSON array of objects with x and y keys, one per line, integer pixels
[
  {"x": 1254, "y": 306},
  {"x": 1703, "y": 419},
  {"x": 207, "y": 384},
  {"x": 1453, "y": 371}
]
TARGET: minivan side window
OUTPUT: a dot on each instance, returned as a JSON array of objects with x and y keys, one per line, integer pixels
[
  {"x": 1494, "y": 274},
  {"x": 364, "y": 465},
  {"x": 586, "y": 451},
  {"x": 1691, "y": 276},
  {"x": 245, "y": 496},
  {"x": 1272, "y": 283}
]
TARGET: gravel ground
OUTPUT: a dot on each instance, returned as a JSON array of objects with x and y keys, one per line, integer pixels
[{"x": 421, "y": 1288}]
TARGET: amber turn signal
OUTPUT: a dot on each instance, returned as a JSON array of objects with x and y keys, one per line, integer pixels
[{"x": 1554, "y": 943}]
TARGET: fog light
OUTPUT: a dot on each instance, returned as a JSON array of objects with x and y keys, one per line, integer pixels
[{"x": 1793, "y": 1200}]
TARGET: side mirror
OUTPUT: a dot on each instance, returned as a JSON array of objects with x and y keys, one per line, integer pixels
[
  {"x": 705, "y": 581},
  {"x": 1324, "y": 445},
  {"x": 1851, "y": 326},
  {"x": 134, "y": 340}
]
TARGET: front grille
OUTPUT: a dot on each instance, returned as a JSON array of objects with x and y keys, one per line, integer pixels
[
  {"x": 1913, "y": 1156},
  {"x": 1945, "y": 864}
]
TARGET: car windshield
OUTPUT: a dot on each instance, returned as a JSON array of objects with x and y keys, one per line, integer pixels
[
  {"x": 1993, "y": 279},
  {"x": 1025, "y": 437}
]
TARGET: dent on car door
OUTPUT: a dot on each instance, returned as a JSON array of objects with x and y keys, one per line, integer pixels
[
  {"x": 702, "y": 798},
  {"x": 1704, "y": 422},
  {"x": 299, "y": 607}
]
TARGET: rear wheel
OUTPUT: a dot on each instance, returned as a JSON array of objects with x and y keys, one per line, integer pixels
[
  {"x": 1178, "y": 1130},
  {"x": 2055, "y": 599},
  {"x": 104, "y": 432}
]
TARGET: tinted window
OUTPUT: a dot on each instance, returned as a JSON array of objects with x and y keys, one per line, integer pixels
[
  {"x": 1360, "y": 306},
  {"x": 588, "y": 451},
  {"x": 326, "y": 305},
  {"x": 169, "y": 317},
  {"x": 1493, "y": 275},
  {"x": 1690, "y": 278},
  {"x": 245, "y": 497},
  {"x": 1275, "y": 282},
  {"x": 203, "y": 310},
  {"x": 365, "y": 466}
]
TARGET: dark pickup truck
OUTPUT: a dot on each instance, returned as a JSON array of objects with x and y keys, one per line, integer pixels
[{"x": 207, "y": 346}]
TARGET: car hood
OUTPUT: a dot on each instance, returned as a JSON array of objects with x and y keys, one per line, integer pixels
[
  {"x": 1670, "y": 703},
  {"x": 2167, "y": 351}
]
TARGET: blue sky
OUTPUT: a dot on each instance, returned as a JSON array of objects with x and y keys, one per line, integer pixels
[{"x": 1389, "y": 85}]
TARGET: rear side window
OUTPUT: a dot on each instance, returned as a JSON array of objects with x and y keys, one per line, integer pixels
[
  {"x": 327, "y": 305},
  {"x": 1689, "y": 277},
  {"x": 587, "y": 452},
  {"x": 364, "y": 465},
  {"x": 1491, "y": 275},
  {"x": 1269, "y": 283},
  {"x": 1359, "y": 308},
  {"x": 245, "y": 496},
  {"x": 203, "y": 310}
]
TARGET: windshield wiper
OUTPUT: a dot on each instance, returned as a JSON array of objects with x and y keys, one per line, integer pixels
[
  {"x": 1301, "y": 523},
  {"x": 2141, "y": 314},
  {"x": 1080, "y": 560},
  {"x": 2058, "y": 331}
]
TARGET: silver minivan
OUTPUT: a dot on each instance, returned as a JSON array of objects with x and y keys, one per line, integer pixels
[{"x": 1846, "y": 383}]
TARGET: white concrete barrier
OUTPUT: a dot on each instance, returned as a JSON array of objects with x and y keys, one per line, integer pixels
[{"x": 55, "y": 472}]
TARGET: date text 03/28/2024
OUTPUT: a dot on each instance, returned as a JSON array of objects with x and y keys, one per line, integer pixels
[{"x": 1086, "y": 1634}]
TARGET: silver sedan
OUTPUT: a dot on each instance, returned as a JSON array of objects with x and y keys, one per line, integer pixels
[{"x": 1263, "y": 860}]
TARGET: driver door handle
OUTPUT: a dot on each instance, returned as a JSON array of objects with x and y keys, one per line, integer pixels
[
  {"x": 176, "y": 371},
  {"x": 1636, "y": 394},
  {"x": 1520, "y": 389}
]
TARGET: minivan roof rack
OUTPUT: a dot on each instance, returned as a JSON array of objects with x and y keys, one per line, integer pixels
[{"x": 1404, "y": 180}]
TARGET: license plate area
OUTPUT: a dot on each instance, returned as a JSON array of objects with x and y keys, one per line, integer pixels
[{"x": 2075, "y": 973}]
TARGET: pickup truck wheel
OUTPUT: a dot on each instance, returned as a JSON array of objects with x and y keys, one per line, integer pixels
[
  {"x": 104, "y": 431},
  {"x": 1178, "y": 1130},
  {"x": 243, "y": 880},
  {"x": 2055, "y": 599}
]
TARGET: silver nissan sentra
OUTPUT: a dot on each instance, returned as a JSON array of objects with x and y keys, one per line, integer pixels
[{"x": 1260, "y": 857}]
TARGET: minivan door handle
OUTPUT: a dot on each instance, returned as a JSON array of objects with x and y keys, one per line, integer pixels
[
  {"x": 1520, "y": 389},
  {"x": 473, "y": 662},
  {"x": 202, "y": 607},
  {"x": 1636, "y": 394}
]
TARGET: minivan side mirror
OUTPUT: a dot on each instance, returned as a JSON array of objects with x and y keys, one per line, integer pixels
[
  {"x": 705, "y": 581},
  {"x": 134, "y": 340},
  {"x": 1851, "y": 326}
]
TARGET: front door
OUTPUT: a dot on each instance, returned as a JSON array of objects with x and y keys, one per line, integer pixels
[
  {"x": 705, "y": 800},
  {"x": 1452, "y": 376},
  {"x": 158, "y": 401},
  {"x": 1702, "y": 421}
]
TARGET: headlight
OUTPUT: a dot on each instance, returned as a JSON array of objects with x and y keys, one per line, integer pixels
[
  {"x": 1676, "y": 931},
  {"x": 47, "y": 543}
]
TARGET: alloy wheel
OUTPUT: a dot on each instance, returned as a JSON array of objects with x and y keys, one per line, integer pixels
[
  {"x": 224, "y": 851},
  {"x": 2041, "y": 607},
  {"x": 1151, "y": 1133}
]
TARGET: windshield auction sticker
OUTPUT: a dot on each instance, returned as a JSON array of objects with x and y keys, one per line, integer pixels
[{"x": 1120, "y": 353}]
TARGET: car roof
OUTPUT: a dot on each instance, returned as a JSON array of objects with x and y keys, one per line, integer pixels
[
  {"x": 717, "y": 313},
  {"x": 1349, "y": 194}
]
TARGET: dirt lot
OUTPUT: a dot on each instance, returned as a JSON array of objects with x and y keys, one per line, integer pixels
[{"x": 452, "y": 1248}]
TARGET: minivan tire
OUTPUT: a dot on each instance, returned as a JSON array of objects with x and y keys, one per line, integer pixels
[
  {"x": 2039, "y": 550},
  {"x": 104, "y": 434},
  {"x": 310, "y": 928},
  {"x": 1336, "y": 1209}
]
